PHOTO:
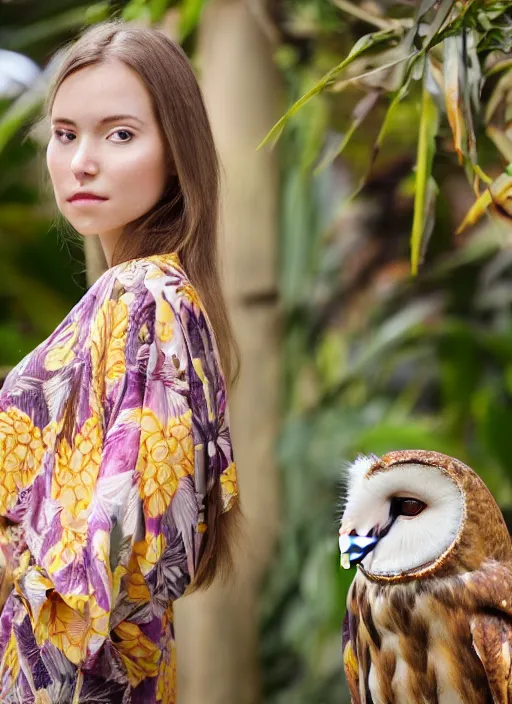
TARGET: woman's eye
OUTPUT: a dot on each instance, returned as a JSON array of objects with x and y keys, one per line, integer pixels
[
  {"x": 66, "y": 137},
  {"x": 404, "y": 506},
  {"x": 63, "y": 133},
  {"x": 122, "y": 132}
]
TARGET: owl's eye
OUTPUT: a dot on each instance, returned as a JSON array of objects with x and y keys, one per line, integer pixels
[{"x": 404, "y": 506}]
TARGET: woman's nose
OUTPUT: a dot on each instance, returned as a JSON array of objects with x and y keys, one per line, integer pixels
[{"x": 84, "y": 162}]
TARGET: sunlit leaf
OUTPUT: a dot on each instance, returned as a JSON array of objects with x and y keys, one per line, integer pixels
[
  {"x": 501, "y": 192},
  {"x": 498, "y": 194},
  {"x": 430, "y": 215},
  {"x": 471, "y": 87},
  {"x": 310, "y": 128},
  {"x": 476, "y": 211},
  {"x": 158, "y": 9},
  {"x": 429, "y": 123},
  {"x": 451, "y": 72},
  {"x": 137, "y": 10},
  {"x": 99, "y": 12},
  {"x": 482, "y": 175},
  {"x": 190, "y": 14}
]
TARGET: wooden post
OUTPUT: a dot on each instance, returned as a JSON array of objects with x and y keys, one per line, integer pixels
[
  {"x": 94, "y": 258},
  {"x": 217, "y": 631}
]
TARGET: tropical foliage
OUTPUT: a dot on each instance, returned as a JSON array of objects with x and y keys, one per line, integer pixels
[
  {"x": 441, "y": 55},
  {"x": 374, "y": 359}
]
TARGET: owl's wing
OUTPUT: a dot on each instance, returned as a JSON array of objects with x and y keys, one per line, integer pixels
[
  {"x": 350, "y": 662},
  {"x": 488, "y": 593},
  {"x": 492, "y": 640}
]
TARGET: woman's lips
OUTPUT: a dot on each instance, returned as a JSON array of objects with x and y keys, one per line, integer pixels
[{"x": 86, "y": 199}]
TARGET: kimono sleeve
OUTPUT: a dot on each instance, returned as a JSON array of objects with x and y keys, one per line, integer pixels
[
  {"x": 128, "y": 496},
  {"x": 185, "y": 443}
]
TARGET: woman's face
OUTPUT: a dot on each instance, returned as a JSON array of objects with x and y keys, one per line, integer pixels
[{"x": 105, "y": 142}]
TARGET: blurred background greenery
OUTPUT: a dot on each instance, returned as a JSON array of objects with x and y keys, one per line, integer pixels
[{"x": 396, "y": 332}]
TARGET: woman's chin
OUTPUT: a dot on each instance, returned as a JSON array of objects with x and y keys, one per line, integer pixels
[{"x": 86, "y": 229}]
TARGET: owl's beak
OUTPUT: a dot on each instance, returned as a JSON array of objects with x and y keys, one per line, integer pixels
[{"x": 354, "y": 548}]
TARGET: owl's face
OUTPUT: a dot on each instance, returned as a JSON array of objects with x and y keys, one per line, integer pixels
[{"x": 401, "y": 518}]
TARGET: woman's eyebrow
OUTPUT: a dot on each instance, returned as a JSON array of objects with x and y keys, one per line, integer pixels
[{"x": 104, "y": 120}]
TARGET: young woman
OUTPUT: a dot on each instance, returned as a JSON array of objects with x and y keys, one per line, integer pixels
[{"x": 116, "y": 468}]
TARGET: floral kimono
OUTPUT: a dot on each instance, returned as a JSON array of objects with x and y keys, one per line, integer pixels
[{"x": 112, "y": 431}]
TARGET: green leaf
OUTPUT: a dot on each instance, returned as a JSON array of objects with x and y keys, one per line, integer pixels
[
  {"x": 451, "y": 74},
  {"x": 471, "y": 84},
  {"x": 157, "y": 8},
  {"x": 190, "y": 14},
  {"x": 136, "y": 10},
  {"x": 22, "y": 109},
  {"x": 429, "y": 123},
  {"x": 99, "y": 12},
  {"x": 338, "y": 87},
  {"x": 499, "y": 66},
  {"x": 364, "y": 44},
  {"x": 478, "y": 208},
  {"x": 49, "y": 28}
]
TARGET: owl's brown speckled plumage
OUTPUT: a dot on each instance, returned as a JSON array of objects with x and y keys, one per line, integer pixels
[{"x": 440, "y": 633}]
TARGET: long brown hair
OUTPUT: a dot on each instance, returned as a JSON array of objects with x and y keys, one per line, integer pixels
[{"x": 185, "y": 220}]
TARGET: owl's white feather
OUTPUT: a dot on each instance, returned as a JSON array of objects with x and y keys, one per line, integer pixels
[{"x": 412, "y": 541}]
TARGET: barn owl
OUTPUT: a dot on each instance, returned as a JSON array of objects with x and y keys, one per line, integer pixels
[{"x": 429, "y": 612}]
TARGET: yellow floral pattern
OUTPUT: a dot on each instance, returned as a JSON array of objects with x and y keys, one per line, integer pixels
[
  {"x": 112, "y": 432},
  {"x": 136, "y": 588},
  {"x": 167, "y": 455},
  {"x": 166, "y": 690},
  {"x": 76, "y": 468},
  {"x": 107, "y": 343},
  {"x": 21, "y": 452},
  {"x": 62, "y": 351},
  {"x": 10, "y": 663},
  {"x": 229, "y": 486},
  {"x": 147, "y": 552},
  {"x": 74, "y": 479},
  {"x": 138, "y": 652}
]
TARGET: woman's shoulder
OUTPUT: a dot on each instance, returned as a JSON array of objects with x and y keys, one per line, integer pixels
[
  {"x": 151, "y": 290},
  {"x": 133, "y": 273},
  {"x": 141, "y": 283},
  {"x": 124, "y": 299}
]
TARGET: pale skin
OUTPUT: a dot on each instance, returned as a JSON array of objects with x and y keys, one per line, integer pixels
[{"x": 92, "y": 149}]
